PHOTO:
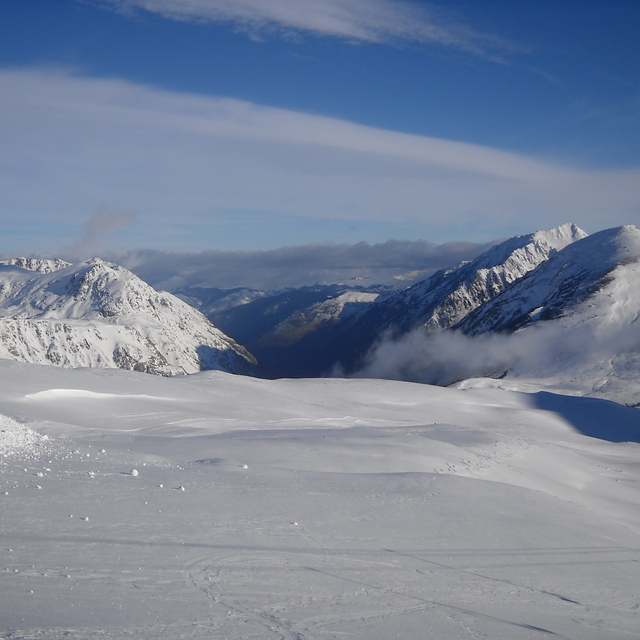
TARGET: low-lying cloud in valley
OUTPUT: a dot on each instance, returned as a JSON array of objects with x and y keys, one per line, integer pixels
[{"x": 448, "y": 356}]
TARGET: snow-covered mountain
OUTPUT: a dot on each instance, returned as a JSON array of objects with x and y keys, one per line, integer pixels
[
  {"x": 564, "y": 281},
  {"x": 446, "y": 297},
  {"x": 450, "y": 294},
  {"x": 40, "y": 265},
  {"x": 572, "y": 323},
  {"x": 578, "y": 314},
  {"x": 97, "y": 314}
]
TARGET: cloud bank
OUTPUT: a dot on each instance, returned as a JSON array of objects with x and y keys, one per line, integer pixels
[
  {"x": 546, "y": 349},
  {"x": 369, "y": 21},
  {"x": 191, "y": 167},
  {"x": 395, "y": 263}
]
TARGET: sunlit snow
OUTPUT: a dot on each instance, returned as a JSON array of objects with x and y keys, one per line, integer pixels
[{"x": 217, "y": 506}]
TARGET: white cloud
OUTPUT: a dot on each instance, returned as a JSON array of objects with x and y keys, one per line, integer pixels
[
  {"x": 543, "y": 350},
  {"x": 372, "y": 21},
  {"x": 72, "y": 145}
]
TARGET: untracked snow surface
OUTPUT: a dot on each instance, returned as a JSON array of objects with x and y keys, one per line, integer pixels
[{"x": 214, "y": 506}]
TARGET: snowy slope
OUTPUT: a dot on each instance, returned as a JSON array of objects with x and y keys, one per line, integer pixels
[
  {"x": 214, "y": 506},
  {"x": 451, "y": 294},
  {"x": 97, "y": 314}
]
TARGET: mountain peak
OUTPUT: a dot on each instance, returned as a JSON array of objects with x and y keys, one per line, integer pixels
[
  {"x": 604, "y": 249},
  {"x": 96, "y": 313},
  {"x": 624, "y": 241},
  {"x": 567, "y": 231}
]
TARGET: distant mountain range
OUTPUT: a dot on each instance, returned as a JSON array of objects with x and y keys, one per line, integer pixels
[
  {"x": 288, "y": 331},
  {"x": 580, "y": 293}
]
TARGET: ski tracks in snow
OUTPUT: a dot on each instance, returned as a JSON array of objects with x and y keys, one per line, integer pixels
[{"x": 309, "y": 594}]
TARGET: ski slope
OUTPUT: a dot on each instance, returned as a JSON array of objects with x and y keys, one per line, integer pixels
[{"x": 216, "y": 506}]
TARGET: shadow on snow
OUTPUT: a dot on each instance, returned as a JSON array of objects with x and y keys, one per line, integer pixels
[{"x": 593, "y": 417}]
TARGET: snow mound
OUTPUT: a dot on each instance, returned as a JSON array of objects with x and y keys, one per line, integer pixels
[{"x": 18, "y": 440}]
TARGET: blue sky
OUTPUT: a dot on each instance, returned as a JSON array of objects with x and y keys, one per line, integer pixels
[{"x": 190, "y": 125}]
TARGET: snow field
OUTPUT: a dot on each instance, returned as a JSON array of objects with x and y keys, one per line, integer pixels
[{"x": 314, "y": 509}]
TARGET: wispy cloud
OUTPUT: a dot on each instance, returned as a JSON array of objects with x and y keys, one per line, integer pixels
[
  {"x": 96, "y": 233},
  {"x": 186, "y": 164},
  {"x": 371, "y": 21}
]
